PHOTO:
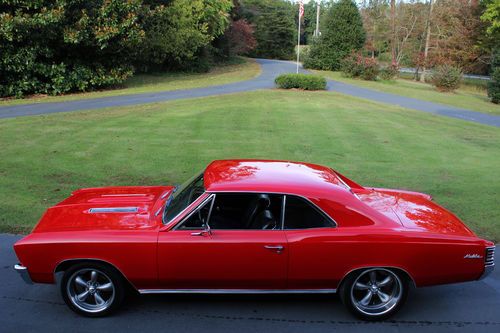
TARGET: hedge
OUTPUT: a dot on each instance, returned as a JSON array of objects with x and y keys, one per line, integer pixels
[{"x": 300, "y": 81}]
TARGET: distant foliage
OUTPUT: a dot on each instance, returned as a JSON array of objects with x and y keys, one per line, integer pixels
[
  {"x": 342, "y": 33},
  {"x": 389, "y": 73},
  {"x": 494, "y": 84},
  {"x": 275, "y": 27},
  {"x": 357, "y": 66},
  {"x": 240, "y": 38},
  {"x": 300, "y": 81},
  {"x": 177, "y": 35},
  {"x": 446, "y": 77},
  {"x": 54, "y": 47}
]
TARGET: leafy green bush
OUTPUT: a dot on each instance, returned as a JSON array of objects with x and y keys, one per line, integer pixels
[
  {"x": 300, "y": 81},
  {"x": 446, "y": 77},
  {"x": 494, "y": 84},
  {"x": 355, "y": 65},
  {"x": 389, "y": 72}
]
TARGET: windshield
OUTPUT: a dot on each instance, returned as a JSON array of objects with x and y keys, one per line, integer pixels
[{"x": 183, "y": 196}]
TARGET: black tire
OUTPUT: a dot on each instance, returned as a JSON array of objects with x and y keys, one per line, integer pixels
[
  {"x": 390, "y": 290},
  {"x": 100, "y": 287}
]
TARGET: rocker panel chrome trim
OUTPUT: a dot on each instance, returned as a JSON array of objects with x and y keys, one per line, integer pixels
[{"x": 237, "y": 291}]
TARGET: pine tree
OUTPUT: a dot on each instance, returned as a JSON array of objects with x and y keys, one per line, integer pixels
[
  {"x": 342, "y": 32},
  {"x": 494, "y": 84}
]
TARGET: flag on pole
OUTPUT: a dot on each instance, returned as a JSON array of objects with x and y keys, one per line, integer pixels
[{"x": 301, "y": 14}]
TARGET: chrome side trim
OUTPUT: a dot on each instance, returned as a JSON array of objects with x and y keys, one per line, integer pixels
[
  {"x": 237, "y": 291},
  {"x": 23, "y": 272},
  {"x": 114, "y": 210}
]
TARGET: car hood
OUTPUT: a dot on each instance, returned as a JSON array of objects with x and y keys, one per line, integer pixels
[
  {"x": 414, "y": 211},
  {"x": 111, "y": 208}
]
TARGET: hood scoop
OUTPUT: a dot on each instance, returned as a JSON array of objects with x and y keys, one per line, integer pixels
[{"x": 114, "y": 210}]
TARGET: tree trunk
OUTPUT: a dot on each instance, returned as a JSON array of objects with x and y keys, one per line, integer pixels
[
  {"x": 393, "y": 32},
  {"x": 427, "y": 41}
]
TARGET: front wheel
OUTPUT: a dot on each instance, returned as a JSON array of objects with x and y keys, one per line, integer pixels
[
  {"x": 92, "y": 289},
  {"x": 374, "y": 293}
]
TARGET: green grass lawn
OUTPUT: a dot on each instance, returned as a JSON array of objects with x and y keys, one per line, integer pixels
[
  {"x": 238, "y": 70},
  {"x": 44, "y": 158},
  {"x": 467, "y": 97}
]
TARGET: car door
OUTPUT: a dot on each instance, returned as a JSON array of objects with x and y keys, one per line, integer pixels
[
  {"x": 315, "y": 247},
  {"x": 235, "y": 253}
]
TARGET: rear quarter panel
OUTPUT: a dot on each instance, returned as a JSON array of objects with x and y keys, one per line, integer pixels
[{"x": 320, "y": 258}]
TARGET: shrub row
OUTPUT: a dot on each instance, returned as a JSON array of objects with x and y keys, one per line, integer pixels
[{"x": 300, "y": 81}]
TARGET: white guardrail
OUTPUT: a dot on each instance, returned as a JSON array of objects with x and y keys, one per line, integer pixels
[{"x": 468, "y": 76}]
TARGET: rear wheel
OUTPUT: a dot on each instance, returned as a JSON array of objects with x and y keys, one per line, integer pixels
[
  {"x": 374, "y": 293},
  {"x": 92, "y": 289}
]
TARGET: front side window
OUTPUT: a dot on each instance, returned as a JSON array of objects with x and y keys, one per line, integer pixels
[
  {"x": 301, "y": 214},
  {"x": 246, "y": 211},
  {"x": 198, "y": 219},
  {"x": 183, "y": 196},
  {"x": 237, "y": 211}
]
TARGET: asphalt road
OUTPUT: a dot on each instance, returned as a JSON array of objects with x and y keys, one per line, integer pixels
[
  {"x": 270, "y": 69},
  {"x": 466, "y": 307}
]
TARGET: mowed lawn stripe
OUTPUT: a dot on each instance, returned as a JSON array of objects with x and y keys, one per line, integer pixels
[{"x": 44, "y": 158}]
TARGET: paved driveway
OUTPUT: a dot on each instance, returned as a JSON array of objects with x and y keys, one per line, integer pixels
[
  {"x": 466, "y": 307},
  {"x": 270, "y": 69}
]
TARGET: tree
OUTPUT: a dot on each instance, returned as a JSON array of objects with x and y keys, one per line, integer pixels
[
  {"x": 494, "y": 84},
  {"x": 342, "y": 33},
  {"x": 376, "y": 23},
  {"x": 52, "y": 47},
  {"x": 177, "y": 33},
  {"x": 275, "y": 30},
  {"x": 240, "y": 38}
]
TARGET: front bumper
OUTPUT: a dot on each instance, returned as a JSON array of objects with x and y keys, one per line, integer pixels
[{"x": 23, "y": 271}]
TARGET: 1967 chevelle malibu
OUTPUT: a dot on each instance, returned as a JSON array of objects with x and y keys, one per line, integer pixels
[{"x": 251, "y": 226}]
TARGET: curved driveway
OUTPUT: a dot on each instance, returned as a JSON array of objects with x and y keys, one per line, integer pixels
[
  {"x": 270, "y": 69},
  {"x": 465, "y": 307}
]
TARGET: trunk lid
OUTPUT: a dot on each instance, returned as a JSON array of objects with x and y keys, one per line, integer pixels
[{"x": 414, "y": 211}]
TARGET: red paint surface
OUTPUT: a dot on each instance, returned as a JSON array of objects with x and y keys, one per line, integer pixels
[{"x": 376, "y": 227}]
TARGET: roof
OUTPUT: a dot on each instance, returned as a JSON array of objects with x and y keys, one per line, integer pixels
[{"x": 270, "y": 176}]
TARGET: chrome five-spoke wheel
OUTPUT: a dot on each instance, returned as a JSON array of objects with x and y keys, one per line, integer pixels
[
  {"x": 375, "y": 293},
  {"x": 91, "y": 290}
]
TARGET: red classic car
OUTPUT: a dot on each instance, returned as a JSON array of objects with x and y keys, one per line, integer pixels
[{"x": 251, "y": 226}]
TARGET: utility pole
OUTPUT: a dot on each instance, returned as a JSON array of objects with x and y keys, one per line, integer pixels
[
  {"x": 316, "y": 32},
  {"x": 427, "y": 41}
]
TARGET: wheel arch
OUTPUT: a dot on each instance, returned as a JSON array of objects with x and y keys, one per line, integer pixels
[
  {"x": 399, "y": 270},
  {"x": 65, "y": 264}
]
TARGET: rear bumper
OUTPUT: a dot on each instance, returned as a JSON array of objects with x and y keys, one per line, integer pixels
[
  {"x": 487, "y": 271},
  {"x": 23, "y": 271}
]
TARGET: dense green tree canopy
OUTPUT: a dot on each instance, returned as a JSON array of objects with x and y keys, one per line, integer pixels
[
  {"x": 53, "y": 47},
  {"x": 275, "y": 27},
  {"x": 342, "y": 32}
]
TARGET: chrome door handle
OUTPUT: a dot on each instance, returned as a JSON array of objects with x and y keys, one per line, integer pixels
[{"x": 277, "y": 248}]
